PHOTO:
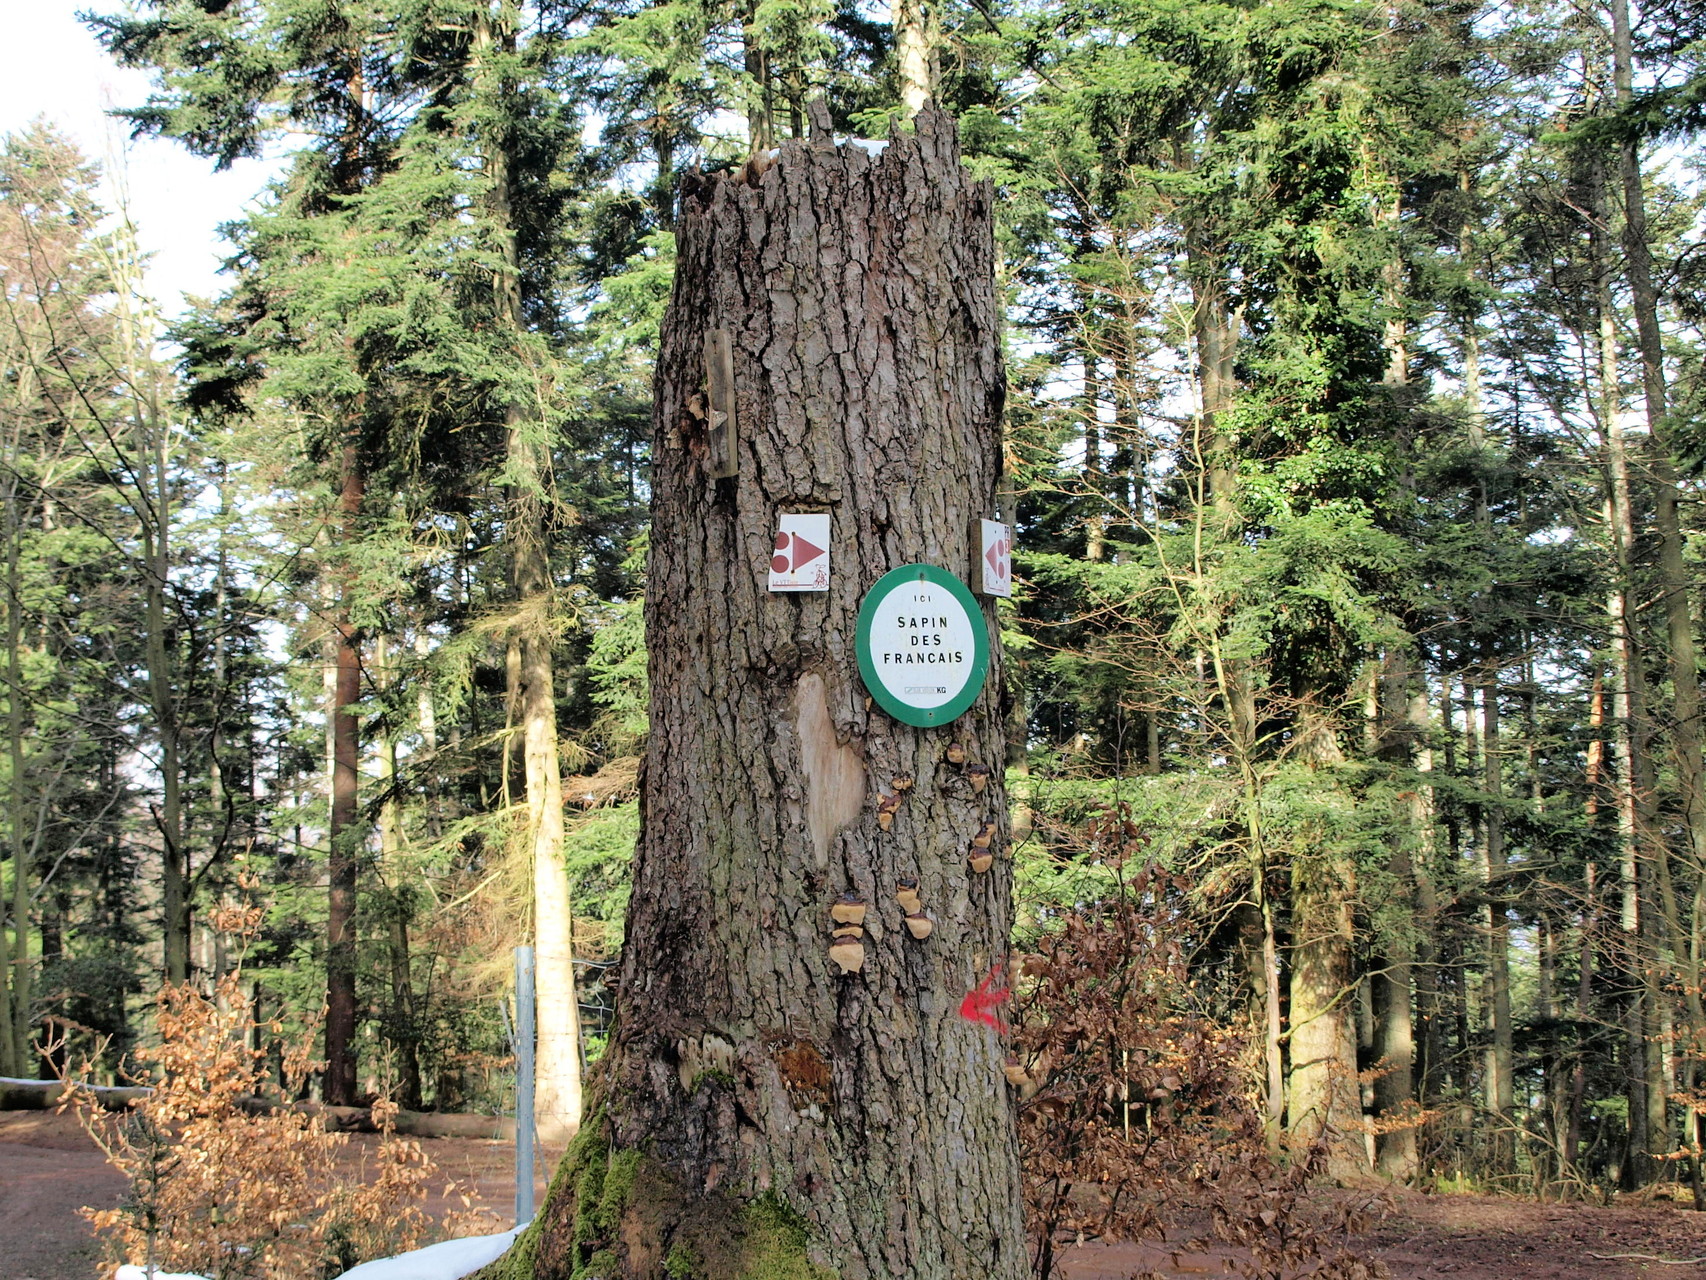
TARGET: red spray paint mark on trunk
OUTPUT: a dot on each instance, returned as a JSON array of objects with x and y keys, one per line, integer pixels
[{"x": 986, "y": 997}]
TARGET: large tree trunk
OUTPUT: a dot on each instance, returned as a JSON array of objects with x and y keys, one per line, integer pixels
[{"x": 759, "y": 1102}]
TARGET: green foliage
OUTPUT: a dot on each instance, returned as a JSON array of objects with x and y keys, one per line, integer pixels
[
  {"x": 596, "y": 854},
  {"x": 616, "y": 665}
]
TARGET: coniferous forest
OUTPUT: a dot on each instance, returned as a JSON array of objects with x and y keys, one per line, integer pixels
[{"x": 1353, "y": 444}]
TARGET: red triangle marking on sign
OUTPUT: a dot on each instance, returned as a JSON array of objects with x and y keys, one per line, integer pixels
[
  {"x": 804, "y": 552},
  {"x": 994, "y": 558}
]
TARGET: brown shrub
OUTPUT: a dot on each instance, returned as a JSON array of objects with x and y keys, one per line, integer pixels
[
  {"x": 1136, "y": 1108},
  {"x": 227, "y": 1186}
]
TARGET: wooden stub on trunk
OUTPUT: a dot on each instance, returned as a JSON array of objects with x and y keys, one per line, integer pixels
[
  {"x": 858, "y": 293},
  {"x": 720, "y": 393}
]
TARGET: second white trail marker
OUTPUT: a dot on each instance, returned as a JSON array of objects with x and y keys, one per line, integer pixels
[{"x": 996, "y": 562}]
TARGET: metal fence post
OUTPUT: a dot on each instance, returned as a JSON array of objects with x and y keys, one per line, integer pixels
[{"x": 523, "y": 1085}]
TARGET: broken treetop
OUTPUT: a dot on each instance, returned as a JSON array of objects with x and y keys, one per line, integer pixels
[{"x": 923, "y": 648}]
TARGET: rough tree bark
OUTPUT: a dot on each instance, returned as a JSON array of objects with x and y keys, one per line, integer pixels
[{"x": 764, "y": 1113}]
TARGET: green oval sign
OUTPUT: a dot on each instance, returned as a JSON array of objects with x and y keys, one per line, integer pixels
[{"x": 923, "y": 645}]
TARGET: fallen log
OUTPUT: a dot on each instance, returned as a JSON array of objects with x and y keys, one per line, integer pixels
[{"x": 43, "y": 1095}]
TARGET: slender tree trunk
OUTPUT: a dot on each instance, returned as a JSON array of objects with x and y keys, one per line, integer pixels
[
  {"x": 1096, "y": 521},
  {"x": 403, "y": 1029},
  {"x": 1688, "y": 731},
  {"x": 1214, "y": 330},
  {"x": 1429, "y": 1009},
  {"x": 1397, "y": 739},
  {"x": 757, "y": 1082},
  {"x": 426, "y": 717},
  {"x": 18, "y": 1030},
  {"x": 532, "y": 691},
  {"x": 760, "y": 109},
  {"x": 1629, "y": 713},
  {"x": 344, "y": 834},
  {"x": 917, "y": 34},
  {"x": 1499, "y": 1072},
  {"x": 1324, "y": 1101},
  {"x": 557, "y": 1098},
  {"x": 1394, "y": 981},
  {"x": 1501, "y": 1051},
  {"x": 1090, "y": 357},
  {"x": 153, "y": 479}
]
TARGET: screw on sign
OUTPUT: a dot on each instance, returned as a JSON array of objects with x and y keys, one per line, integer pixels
[{"x": 799, "y": 558}]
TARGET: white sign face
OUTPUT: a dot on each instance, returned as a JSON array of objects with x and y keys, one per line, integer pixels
[
  {"x": 921, "y": 644},
  {"x": 996, "y": 563},
  {"x": 799, "y": 558}
]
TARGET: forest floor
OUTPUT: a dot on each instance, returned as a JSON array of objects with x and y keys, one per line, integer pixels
[
  {"x": 1464, "y": 1237},
  {"x": 48, "y": 1167}
]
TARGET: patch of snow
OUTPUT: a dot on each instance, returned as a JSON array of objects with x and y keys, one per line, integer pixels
[{"x": 450, "y": 1260}]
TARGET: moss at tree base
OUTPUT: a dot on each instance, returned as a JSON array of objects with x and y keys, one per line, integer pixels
[{"x": 615, "y": 1215}]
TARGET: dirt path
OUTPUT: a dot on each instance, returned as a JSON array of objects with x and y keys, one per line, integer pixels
[
  {"x": 48, "y": 1168},
  {"x": 1466, "y": 1238}
]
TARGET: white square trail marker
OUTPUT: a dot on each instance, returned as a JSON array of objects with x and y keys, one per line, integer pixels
[
  {"x": 799, "y": 557},
  {"x": 996, "y": 563}
]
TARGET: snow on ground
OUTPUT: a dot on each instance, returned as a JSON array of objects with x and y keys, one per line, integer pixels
[{"x": 449, "y": 1260}]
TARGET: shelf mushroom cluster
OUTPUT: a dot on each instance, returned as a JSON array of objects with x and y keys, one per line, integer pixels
[
  {"x": 846, "y": 948},
  {"x": 847, "y": 945}
]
